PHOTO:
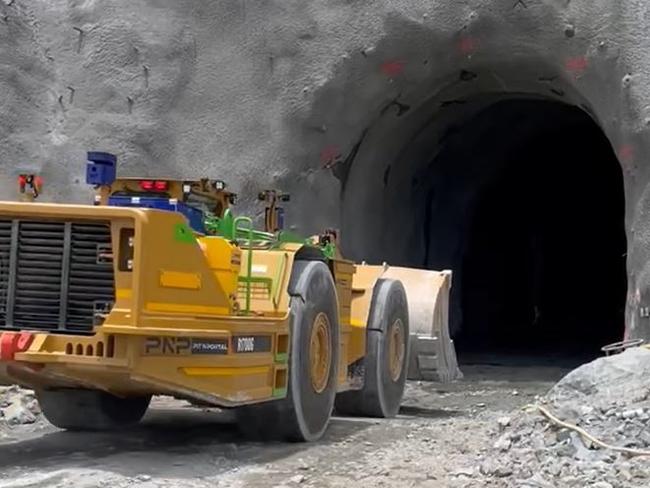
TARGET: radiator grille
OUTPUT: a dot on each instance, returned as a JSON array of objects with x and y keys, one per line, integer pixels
[
  {"x": 54, "y": 275},
  {"x": 5, "y": 252}
]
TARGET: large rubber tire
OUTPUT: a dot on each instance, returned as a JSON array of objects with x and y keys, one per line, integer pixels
[
  {"x": 91, "y": 410},
  {"x": 304, "y": 414},
  {"x": 383, "y": 388}
]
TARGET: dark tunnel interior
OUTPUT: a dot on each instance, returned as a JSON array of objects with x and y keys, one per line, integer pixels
[
  {"x": 532, "y": 194},
  {"x": 523, "y": 199},
  {"x": 540, "y": 268}
]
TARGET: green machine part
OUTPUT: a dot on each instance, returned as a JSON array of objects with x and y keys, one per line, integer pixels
[
  {"x": 240, "y": 230},
  {"x": 230, "y": 228}
]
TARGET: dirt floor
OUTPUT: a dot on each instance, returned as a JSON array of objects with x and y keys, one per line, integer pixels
[{"x": 442, "y": 434}]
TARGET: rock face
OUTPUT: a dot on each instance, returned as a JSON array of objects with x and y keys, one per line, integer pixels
[
  {"x": 609, "y": 399},
  {"x": 319, "y": 98}
]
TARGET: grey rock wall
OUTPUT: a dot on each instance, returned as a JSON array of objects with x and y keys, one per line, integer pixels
[{"x": 281, "y": 92}]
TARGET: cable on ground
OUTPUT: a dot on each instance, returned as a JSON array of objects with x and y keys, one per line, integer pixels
[{"x": 586, "y": 435}]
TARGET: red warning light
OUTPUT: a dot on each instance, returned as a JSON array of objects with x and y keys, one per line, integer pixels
[
  {"x": 146, "y": 185},
  {"x": 14, "y": 342},
  {"x": 31, "y": 182},
  {"x": 160, "y": 185}
]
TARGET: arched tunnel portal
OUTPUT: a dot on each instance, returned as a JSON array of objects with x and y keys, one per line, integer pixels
[{"x": 522, "y": 198}]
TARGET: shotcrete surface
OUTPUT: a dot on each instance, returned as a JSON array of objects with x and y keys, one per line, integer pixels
[{"x": 319, "y": 98}]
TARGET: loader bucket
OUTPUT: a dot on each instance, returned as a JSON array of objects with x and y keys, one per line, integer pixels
[{"x": 432, "y": 355}]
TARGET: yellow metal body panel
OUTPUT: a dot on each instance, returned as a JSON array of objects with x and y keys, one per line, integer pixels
[
  {"x": 271, "y": 270},
  {"x": 126, "y": 360},
  {"x": 179, "y": 279},
  {"x": 351, "y": 339},
  {"x": 224, "y": 260},
  {"x": 363, "y": 283},
  {"x": 177, "y": 325}
]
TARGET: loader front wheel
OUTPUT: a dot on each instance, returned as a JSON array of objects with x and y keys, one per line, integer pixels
[
  {"x": 304, "y": 413},
  {"x": 385, "y": 363},
  {"x": 91, "y": 410}
]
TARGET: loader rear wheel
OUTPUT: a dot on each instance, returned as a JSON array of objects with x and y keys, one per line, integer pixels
[
  {"x": 303, "y": 415},
  {"x": 385, "y": 363},
  {"x": 94, "y": 410}
]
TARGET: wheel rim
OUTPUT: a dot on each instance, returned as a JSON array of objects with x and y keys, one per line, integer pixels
[
  {"x": 396, "y": 349},
  {"x": 320, "y": 353}
]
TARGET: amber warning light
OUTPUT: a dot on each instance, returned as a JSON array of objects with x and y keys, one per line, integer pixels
[{"x": 31, "y": 183}]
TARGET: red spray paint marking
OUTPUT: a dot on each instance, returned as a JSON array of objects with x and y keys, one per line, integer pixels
[
  {"x": 392, "y": 68},
  {"x": 329, "y": 155},
  {"x": 467, "y": 45},
  {"x": 625, "y": 153},
  {"x": 626, "y": 157},
  {"x": 576, "y": 66}
]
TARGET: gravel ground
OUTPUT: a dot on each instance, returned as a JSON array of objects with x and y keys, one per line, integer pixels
[{"x": 473, "y": 433}]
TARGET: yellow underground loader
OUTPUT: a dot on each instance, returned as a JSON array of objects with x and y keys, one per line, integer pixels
[{"x": 103, "y": 306}]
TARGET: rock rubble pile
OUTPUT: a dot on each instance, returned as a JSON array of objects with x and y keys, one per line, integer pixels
[
  {"x": 608, "y": 398},
  {"x": 18, "y": 406}
]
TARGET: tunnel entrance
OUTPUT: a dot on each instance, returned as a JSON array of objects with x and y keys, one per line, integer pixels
[
  {"x": 524, "y": 202},
  {"x": 541, "y": 264}
]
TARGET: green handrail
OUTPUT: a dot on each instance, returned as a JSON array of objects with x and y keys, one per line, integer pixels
[
  {"x": 226, "y": 226},
  {"x": 249, "y": 267}
]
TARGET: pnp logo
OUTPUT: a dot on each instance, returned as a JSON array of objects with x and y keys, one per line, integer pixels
[
  {"x": 167, "y": 345},
  {"x": 175, "y": 346}
]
